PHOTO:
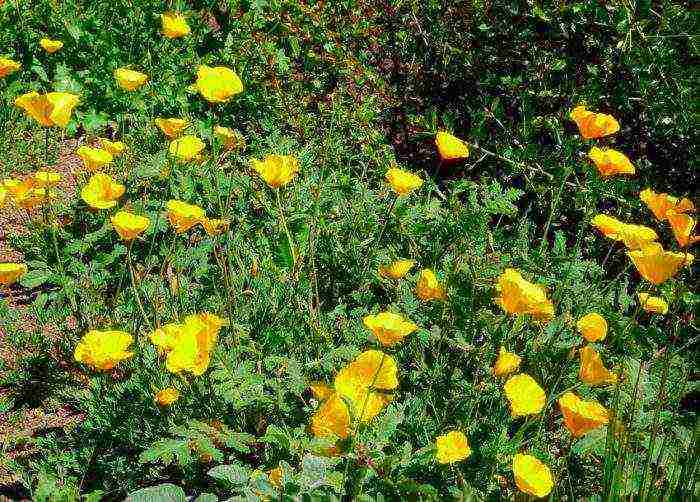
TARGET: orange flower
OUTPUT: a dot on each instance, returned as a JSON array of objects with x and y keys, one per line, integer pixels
[
  {"x": 129, "y": 225},
  {"x": 8, "y": 66},
  {"x": 657, "y": 265},
  {"x": 428, "y": 287},
  {"x": 518, "y": 296},
  {"x": 581, "y": 416},
  {"x": 213, "y": 226},
  {"x": 610, "y": 162},
  {"x": 167, "y": 396},
  {"x": 276, "y": 170},
  {"x": 683, "y": 227},
  {"x": 103, "y": 350},
  {"x": 94, "y": 159},
  {"x": 652, "y": 304},
  {"x": 389, "y": 328},
  {"x": 184, "y": 216},
  {"x": 171, "y": 127},
  {"x": 506, "y": 363},
  {"x": 633, "y": 236},
  {"x": 525, "y": 395},
  {"x": 52, "y": 109},
  {"x": 660, "y": 203},
  {"x": 593, "y": 327},
  {"x": 592, "y": 370},
  {"x": 451, "y": 148},
  {"x": 594, "y": 125}
]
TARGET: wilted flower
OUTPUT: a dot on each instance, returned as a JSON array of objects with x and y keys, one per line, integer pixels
[
  {"x": 276, "y": 170},
  {"x": 532, "y": 476},
  {"x": 174, "y": 25},
  {"x": 518, "y": 296},
  {"x": 94, "y": 159},
  {"x": 8, "y": 67},
  {"x": 230, "y": 139},
  {"x": 102, "y": 192},
  {"x": 660, "y": 203},
  {"x": 115, "y": 148},
  {"x": 129, "y": 80},
  {"x": 506, "y": 363},
  {"x": 129, "y": 225},
  {"x": 452, "y": 447},
  {"x": 397, "y": 269},
  {"x": 633, "y": 236},
  {"x": 45, "y": 179},
  {"x": 50, "y": 46},
  {"x": 11, "y": 272},
  {"x": 657, "y": 265},
  {"x": 186, "y": 148},
  {"x": 593, "y": 327},
  {"x": 167, "y": 396},
  {"x": 183, "y": 216},
  {"x": 594, "y": 125},
  {"x": 402, "y": 182},
  {"x": 592, "y": 370},
  {"x": 525, "y": 395},
  {"x": 652, "y": 304},
  {"x": 683, "y": 227},
  {"x": 450, "y": 147},
  {"x": 103, "y": 350},
  {"x": 428, "y": 287},
  {"x": 213, "y": 226},
  {"x": 389, "y": 328},
  {"x": 581, "y": 416},
  {"x": 52, "y": 109},
  {"x": 171, "y": 127},
  {"x": 610, "y": 162},
  {"x": 218, "y": 84}
]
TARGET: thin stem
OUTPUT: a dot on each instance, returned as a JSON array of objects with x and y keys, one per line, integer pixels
[
  {"x": 386, "y": 218},
  {"x": 283, "y": 222},
  {"x": 134, "y": 286}
]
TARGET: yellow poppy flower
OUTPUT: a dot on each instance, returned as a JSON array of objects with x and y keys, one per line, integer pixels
[
  {"x": 183, "y": 216},
  {"x": 683, "y": 227},
  {"x": 167, "y": 396},
  {"x": 45, "y": 179},
  {"x": 506, "y": 363},
  {"x": 215, "y": 226},
  {"x": 660, "y": 203},
  {"x": 8, "y": 67},
  {"x": 186, "y": 148},
  {"x": 525, "y": 395},
  {"x": 102, "y": 192},
  {"x": 3, "y": 195},
  {"x": 397, "y": 269},
  {"x": 274, "y": 476},
  {"x": 532, "y": 476},
  {"x": 593, "y": 327},
  {"x": 230, "y": 139},
  {"x": 451, "y": 148},
  {"x": 276, "y": 170},
  {"x": 16, "y": 188},
  {"x": 452, "y": 447},
  {"x": 171, "y": 127},
  {"x": 633, "y": 236},
  {"x": 11, "y": 272},
  {"x": 581, "y": 416},
  {"x": 218, "y": 84},
  {"x": 610, "y": 162},
  {"x": 50, "y": 46},
  {"x": 129, "y": 225},
  {"x": 115, "y": 148},
  {"x": 518, "y": 296},
  {"x": 103, "y": 350},
  {"x": 331, "y": 418},
  {"x": 34, "y": 197},
  {"x": 652, "y": 304},
  {"x": 657, "y": 265},
  {"x": 129, "y": 80},
  {"x": 94, "y": 159},
  {"x": 428, "y": 287},
  {"x": 592, "y": 370},
  {"x": 52, "y": 109},
  {"x": 402, "y": 182},
  {"x": 389, "y": 328},
  {"x": 174, "y": 25},
  {"x": 594, "y": 125}
]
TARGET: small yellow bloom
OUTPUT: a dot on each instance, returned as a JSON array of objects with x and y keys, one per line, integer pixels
[
  {"x": 660, "y": 203},
  {"x": 397, "y": 269},
  {"x": 45, "y": 179},
  {"x": 129, "y": 80},
  {"x": 50, "y": 46},
  {"x": 633, "y": 236},
  {"x": 581, "y": 416},
  {"x": 102, "y": 192},
  {"x": 11, "y": 272},
  {"x": 610, "y": 162},
  {"x": 129, "y": 225},
  {"x": 403, "y": 182},
  {"x": 389, "y": 328},
  {"x": 8, "y": 67},
  {"x": 657, "y": 265},
  {"x": 103, "y": 350},
  {"x": 171, "y": 127},
  {"x": 34, "y": 197},
  {"x": 94, "y": 159},
  {"x": 525, "y": 395},
  {"x": 592, "y": 370},
  {"x": 230, "y": 139},
  {"x": 683, "y": 227},
  {"x": 428, "y": 287},
  {"x": 275, "y": 476},
  {"x": 218, "y": 84},
  {"x": 450, "y": 147},
  {"x": 183, "y": 216},
  {"x": 452, "y": 447},
  {"x": 174, "y": 25},
  {"x": 167, "y": 396},
  {"x": 277, "y": 170},
  {"x": 593, "y": 327},
  {"x": 506, "y": 363},
  {"x": 518, "y": 296},
  {"x": 532, "y": 476},
  {"x": 214, "y": 226},
  {"x": 115, "y": 148},
  {"x": 652, "y": 304},
  {"x": 186, "y": 148},
  {"x": 594, "y": 125},
  {"x": 3, "y": 195},
  {"x": 52, "y": 109}
]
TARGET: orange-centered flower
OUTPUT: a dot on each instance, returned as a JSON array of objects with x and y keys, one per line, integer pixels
[
  {"x": 103, "y": 350},
  {"x": 610, "y": 162},
  {"x": 8, "y": 67},
  {"x": 129, "y": 80},
  {"x": 174, "y": 25},
  {"x": 428, "y": 287},
  {"x": 276, "y": 170},
  {"x": 129, "y": 225},
  {"x": 657, "y": 265},
  {"x": 94, "y": 159},
  {"x": 11, "y": 272},
  {"x": 592, "y": 370},
  {"x": 171, "y": 127},
  {"x": 594, "y": 125},
  {"x": 50, "y": 46},
  {"x": 102, "y": 192},
  {"x": 183, "y": 216},
  {"x": 167, "y": 396},
  {"x": 518, "y": 296},
  {"x": 52, "y": 109},
  {"x": 652, "y": 304},
  {"x": 593, "y": 327},
  {"x": 396, "y": 269},
  {"x": 581, "y": 416},
  {"x": 506, "y": 363}
]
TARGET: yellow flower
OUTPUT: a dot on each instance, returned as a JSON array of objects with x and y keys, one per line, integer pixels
[
  {"x": 581, "y": 416},
  {"x": 332, "y": 418},
  {"x": 128, "y": 225},
  {"x": 660, "y": 203},
  {"x": 167, "y": 396},
  {"x": 275, "y": 477},
  {"x": 184, "y": 216},
  {"x": 592, "y": 370},
  {"x": 652, "y": 304},
  {"x": 8, "y": 67},
  {"x": 452, "y": 447},
  {"x": 593, "y": 327},
  {"x": 174, "y": 25},
  {"x": 532, "y": 476},
  {"x": 129, "y": 80},
  {"x": 50, "y": 46},
  {"x": 103, "y": 350},
  {"x": 397, "y": 269},
  {"x": 506, "y": 363},
  {"x": 52, "y": 109},
  {"x": 450, "y": 147},
  {"x": 402, "y": 182},
  {"x": 11, "y": 272},
  {"x": 45, "y": 179},
  {"x": 276, "y": 170},
  {"x": 683, "y": 227},
  {"x": 186, "y": 148},
  {"x": 518, "y": 296},
  {"x": 34, "y": 197},
  {"x": 218, "y": 84},
  {"x": 101, "y": 191},
  {"x": 230, "y": 139},
  {"x": 526, "y": 397},
  {"x": 657, "y": 265},
  {"x": 633, "y": 236},
  {"x": 3, "y": 195},
  {"x": 115, "y": 148},
  {"x": 389, "y": 328},
  {"x": 215, "y": 226},
  {"x": 610, "y": 162},
  {"x": 94, "y": 159},
  {"x": 594, "y": 125},
  {"x": 171, "y": 127},
  {"x": 428, "y": 287}
]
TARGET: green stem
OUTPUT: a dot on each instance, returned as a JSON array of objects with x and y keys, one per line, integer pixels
[
  {"x": 134, "y": 286},
  {"x": 283, "y": 222}
]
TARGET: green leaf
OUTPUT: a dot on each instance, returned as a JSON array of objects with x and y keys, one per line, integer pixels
[
  {"x": 35, "y": 278},
  {"x": 162, "y": 493},
  {"x": 233, "y": 474}
]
